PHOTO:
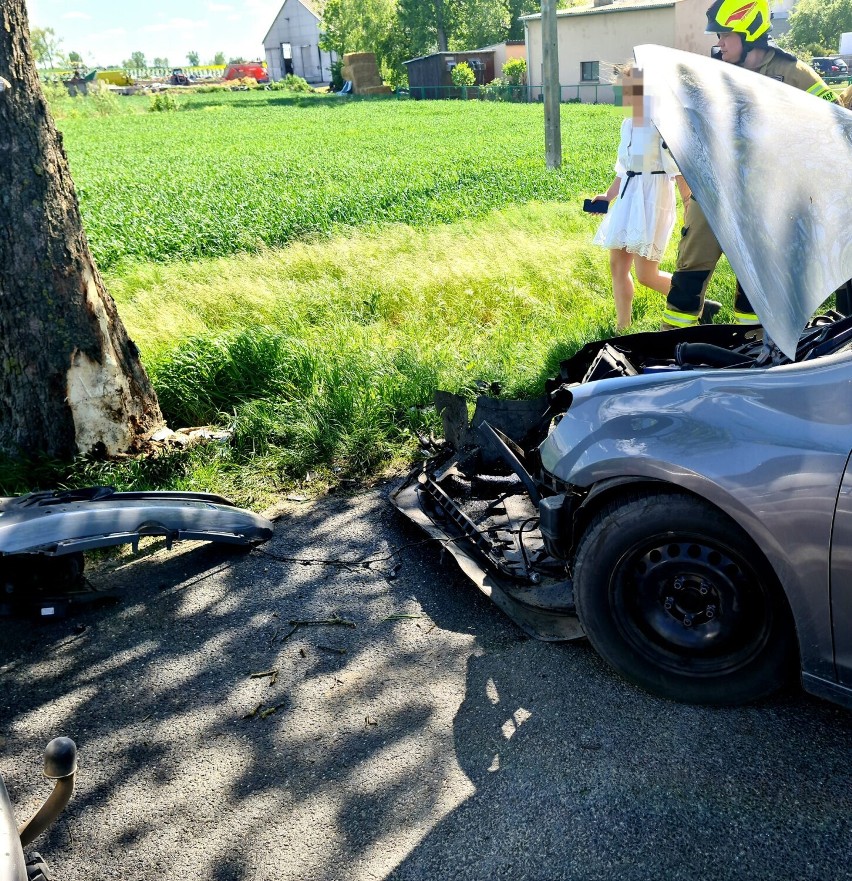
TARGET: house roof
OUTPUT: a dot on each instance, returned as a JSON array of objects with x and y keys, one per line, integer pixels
[
  {"x": 616, "y": 6},
  {"x": 310, "y": 5},
  {"x": 462, "y": 52}
]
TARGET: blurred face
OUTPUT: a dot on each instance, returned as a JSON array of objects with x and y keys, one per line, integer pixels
[
  {"x": 731, "y": 47},
  {"x": 633, "y": 94}
]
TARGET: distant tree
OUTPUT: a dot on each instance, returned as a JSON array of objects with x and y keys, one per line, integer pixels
[
  {"x": 476, "y": 23},
  {"x": 238, "y": 60},
  {"x": 45, "y": 46},
  {"x": 160, "y": 62},
  {"x": 517, "y": 8},
  {"x": 136, "y": 61},
  {"x": 819, "y": 22},
  {"x": 218, "y": 58},
  {"x": 192, "y": 59},
  {"x": 71, "y": 381},
  {"x": 397, "y": 30},
  {"x": 807, "y": 51},
  {"x": 75, "y": 57},
  {"x": 453, "y": 24},
  {"x": 426, "y": 23},
  {"x": 357, "y": 26},
  {"x": 393, "y": 49}
]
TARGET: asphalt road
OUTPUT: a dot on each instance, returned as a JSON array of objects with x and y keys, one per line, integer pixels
[{"x": 431, "y": 740}]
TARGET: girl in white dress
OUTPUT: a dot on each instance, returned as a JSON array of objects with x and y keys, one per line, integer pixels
[{"x": 642, "y": 209}]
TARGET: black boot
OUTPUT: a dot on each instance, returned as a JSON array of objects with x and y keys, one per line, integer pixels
[{"x": 709, "y": 312}]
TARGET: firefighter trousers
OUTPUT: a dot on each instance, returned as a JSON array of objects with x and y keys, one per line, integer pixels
[{"x": 698, "y": 253}]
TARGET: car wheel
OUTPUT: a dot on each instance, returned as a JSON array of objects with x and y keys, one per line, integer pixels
[{"x": 680, "y": 601}]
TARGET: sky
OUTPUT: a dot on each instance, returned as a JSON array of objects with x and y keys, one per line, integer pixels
[{"x": 106, "y": 32}]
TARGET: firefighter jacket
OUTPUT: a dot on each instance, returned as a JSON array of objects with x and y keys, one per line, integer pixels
[{"x": 786, "y": 68}]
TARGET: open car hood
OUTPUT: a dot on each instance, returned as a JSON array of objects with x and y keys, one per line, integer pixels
[{"x": 770, "y": 166}]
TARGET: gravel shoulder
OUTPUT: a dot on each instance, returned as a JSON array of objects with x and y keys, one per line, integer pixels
[{"x": 420, "y": 736}]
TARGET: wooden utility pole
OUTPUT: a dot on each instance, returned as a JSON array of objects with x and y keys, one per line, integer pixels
[{"x": 552, "y": 88}]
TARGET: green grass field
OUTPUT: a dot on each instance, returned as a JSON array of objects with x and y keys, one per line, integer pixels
[
  {"x": 241, "y": 171},
  {"x": 307, "y": 271}
]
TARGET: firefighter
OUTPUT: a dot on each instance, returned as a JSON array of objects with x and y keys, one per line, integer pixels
[{"x": 742, "y": 29}]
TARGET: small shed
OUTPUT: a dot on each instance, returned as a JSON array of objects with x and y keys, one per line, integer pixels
[
  {"x": 504, "y": 51},
  {"x": 292, "y": 44},
  {"x": 430, "y": 76}
]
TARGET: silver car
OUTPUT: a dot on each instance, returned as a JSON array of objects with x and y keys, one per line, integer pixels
[{"x": 684, "y": 499}]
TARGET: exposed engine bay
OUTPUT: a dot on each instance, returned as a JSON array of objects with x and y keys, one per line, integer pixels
[{"x": 509, "y": 522}]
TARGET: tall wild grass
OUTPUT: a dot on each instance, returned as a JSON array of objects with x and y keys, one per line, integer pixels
[{"x": 322, "y": 356}]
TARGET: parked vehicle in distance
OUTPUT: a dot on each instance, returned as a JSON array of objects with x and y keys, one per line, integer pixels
[
  {"x": 114, "y": 77},
  {"x": 830, "y": 67},
  {"x": 254, "y": 69},
  {"x": 178, "y": 78}
]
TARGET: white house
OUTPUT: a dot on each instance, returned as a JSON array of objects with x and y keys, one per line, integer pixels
[
  {"x": 606, "y": 31},
  {"x": 781, "y": 10},
  {"x": 292, "y": 44}
]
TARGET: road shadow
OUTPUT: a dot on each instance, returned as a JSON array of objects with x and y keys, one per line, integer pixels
[
  {"x": 339, "y": 702},
  {"x": 579, "y": 775},
  {"x": 234, "y": 706}
]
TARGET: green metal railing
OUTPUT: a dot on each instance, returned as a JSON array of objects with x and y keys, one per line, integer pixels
[{"x": 587, "y": 93}]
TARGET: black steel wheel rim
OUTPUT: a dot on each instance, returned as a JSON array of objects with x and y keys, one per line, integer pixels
[{"x": 689, "y": 604}]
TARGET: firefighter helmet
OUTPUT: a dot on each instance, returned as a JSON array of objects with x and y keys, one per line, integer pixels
[{"x": 750, "y": 19}]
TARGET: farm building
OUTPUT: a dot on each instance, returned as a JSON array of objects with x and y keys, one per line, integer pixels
[
  {"x": 607, "y": 31},
  {"x": 430, "y": 76},
  {"x": 292, "y": 44}
]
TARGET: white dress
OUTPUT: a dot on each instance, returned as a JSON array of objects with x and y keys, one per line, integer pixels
[{"x": 641, "y": 218}]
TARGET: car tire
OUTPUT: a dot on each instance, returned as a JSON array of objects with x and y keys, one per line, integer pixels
[{"x": 675, "y": 596}]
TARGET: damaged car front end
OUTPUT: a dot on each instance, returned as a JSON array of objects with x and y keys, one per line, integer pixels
[
  {"x": 684, "y": 499},
  {"x": 678, "y": 512}
]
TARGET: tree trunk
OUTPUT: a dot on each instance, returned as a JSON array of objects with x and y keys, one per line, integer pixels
[
  {"x": 70, "y": 378},
  {"x": 440, "y": 26}
]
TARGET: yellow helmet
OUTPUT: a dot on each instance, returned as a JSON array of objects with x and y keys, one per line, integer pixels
[{"x": 750, "y": 19}]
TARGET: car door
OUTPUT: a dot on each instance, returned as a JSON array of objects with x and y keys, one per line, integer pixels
[{"x": 841, "y": 579}]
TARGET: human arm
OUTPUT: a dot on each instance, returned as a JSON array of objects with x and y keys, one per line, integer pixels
[
  {"x": 781, "y": 65},
  {"x": 812, "y": 83},
  {"x": 683, "y": 188},
  {"x": 612, "y": 191}
]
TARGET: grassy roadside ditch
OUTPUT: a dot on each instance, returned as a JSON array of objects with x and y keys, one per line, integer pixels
[
  {"x": 321, "y": 348},
  {"x": 322, "y": 357}
]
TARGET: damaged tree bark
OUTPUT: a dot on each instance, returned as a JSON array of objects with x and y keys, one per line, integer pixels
[{"x": 70, "y": 378}]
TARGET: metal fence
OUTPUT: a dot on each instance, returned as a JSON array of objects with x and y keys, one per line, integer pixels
[
  {"x": 579, "y": 93},
  {"x": 211, "y": 71}
]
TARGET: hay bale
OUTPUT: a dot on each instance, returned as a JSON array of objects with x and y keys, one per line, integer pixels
[
  {"x": 356, "y": 57},
  {"x": 375, "y": 90},
  {"x": 361, "y": 70}
]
